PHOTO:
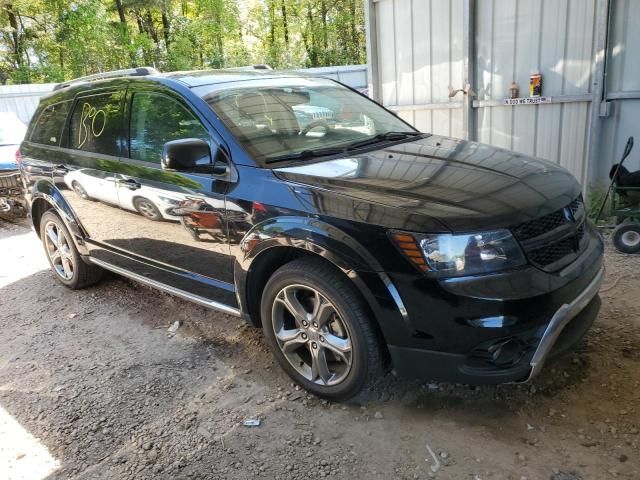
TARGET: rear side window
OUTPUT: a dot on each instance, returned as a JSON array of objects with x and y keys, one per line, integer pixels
[
  {"x": 50, "y": 123},
  {"x": 95, "y": 124},
  {"x": 157, "y": 119}
]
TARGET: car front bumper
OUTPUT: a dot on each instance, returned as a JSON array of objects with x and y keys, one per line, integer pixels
[
  {"x": 498, "y": 330},
  {"x": 565, "y": 314}
]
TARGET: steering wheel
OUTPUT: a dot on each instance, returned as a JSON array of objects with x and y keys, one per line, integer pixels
[{"x": 317, "y": 123}]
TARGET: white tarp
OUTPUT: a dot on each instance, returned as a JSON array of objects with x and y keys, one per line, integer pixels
[{"x": 22, "y": 99}]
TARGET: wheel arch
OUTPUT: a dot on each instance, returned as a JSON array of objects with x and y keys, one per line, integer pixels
[
  {"x": 46, "y": 196},
  {"x": 276, "y": 242}
]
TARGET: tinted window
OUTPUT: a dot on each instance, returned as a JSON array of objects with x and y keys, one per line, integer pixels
[
  {"x": 50, "y": 123},
  {"x": 95, "y": 124},
  {"x": 156, "y": 120}
]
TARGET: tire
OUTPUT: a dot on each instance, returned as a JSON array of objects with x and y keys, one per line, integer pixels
[
  {"x": 68, "y": 267},
  {"x": 80, "y": 190},
  {"x": 343, "y": 326},
  {"x": 626, "y": 237},
  {"x": 147, "y": 208}
]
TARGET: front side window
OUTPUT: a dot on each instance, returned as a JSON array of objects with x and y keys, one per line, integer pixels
[
  {"x": 50, "y": 123},
  {"x": 275, "y": 118},
  {"x": 157, "y": 119},
  {"x": 96, "y": 124}
]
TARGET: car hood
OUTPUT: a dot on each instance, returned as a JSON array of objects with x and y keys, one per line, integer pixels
[{"x": 463, "y": 185}]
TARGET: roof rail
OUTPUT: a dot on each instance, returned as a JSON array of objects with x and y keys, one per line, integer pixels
[
  {"x": 248, "y": 68},
  {"x": 128, "y": 72}
]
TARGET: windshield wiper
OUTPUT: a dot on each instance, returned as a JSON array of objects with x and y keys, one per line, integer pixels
[
  {"x": 324, "y": 152},
  {"x": 306, "y": 154},
  {"x": 383, "y": 137}
]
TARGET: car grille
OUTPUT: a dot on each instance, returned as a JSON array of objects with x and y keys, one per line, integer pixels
[
  {"x": 556, "y": 239},
  {"x": 10, "y": 184}
]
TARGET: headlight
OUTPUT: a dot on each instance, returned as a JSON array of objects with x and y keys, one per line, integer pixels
[
  {"x": 168, "y": 200},
  {"x": 458, "y": 255}
]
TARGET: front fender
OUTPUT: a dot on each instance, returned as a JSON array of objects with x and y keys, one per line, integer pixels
[
  {"x": 308, "y": 233},
  {"x": 337, "y": 247},
  {"x": 45, "y": 190}
]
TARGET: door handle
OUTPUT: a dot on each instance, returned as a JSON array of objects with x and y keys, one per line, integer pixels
[{"x": 129, "y": 183}]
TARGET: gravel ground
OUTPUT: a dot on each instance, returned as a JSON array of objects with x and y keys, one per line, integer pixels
[{"x": 93, "y": 385}]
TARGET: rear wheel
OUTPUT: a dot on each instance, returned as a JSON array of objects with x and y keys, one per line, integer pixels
[
  {"x": 63, "y": 256},
  {"x": 626, "y": 237},
  {"x": 319, "y": 330}
]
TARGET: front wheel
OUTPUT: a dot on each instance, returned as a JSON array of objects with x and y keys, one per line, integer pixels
[
  {"x": 319, "y": 330},
  {"x": 63, "y": 256},
  {"x": 147, "y": 208}
]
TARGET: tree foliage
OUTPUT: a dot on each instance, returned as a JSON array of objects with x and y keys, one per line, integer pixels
[{"x": 55, "y": 40}]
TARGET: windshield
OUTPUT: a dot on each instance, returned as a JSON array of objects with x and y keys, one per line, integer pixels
[
  {"x": 277, "y": 118},
  {"x": 12, "y": 130}
]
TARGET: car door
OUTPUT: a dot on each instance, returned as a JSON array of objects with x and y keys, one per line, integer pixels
[
  {"x": 175, "y": 226},
  {"x": 101, "y": 184},
  {"x": 87, "y": 165}
]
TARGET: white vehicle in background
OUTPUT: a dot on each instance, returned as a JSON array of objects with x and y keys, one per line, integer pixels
[
  {"x": 122, "y": 192},
  {"x": 12, "y": 132}
]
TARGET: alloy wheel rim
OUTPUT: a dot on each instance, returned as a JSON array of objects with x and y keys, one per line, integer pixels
[
  {"x": 311, "y": 335},
  {"x": 59, "y": 251},
  {"x": 146, "y": 209},
  {"x": 631, "y": 238},
  {"x": 79, "y": 189}
]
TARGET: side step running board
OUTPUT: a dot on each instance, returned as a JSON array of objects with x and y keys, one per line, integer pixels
[{"x": 167, "y": 288}]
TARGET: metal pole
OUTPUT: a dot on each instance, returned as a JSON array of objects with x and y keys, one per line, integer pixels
[
  {"x": 594, "y": 167},
  {"x": 469, "y": 68},
  {"x": 371, "y": 31}
]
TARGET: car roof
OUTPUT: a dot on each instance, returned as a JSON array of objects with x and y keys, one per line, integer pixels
[
  {"x": 197, "y": 78},
  {"x": 190, "y": 79}
]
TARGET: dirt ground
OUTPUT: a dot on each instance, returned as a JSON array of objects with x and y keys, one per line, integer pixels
[{"x": 92, "y": 385}]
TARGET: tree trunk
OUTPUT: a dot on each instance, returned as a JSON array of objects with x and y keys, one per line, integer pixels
[
  {"x": 15, "y": 35},
  {"x": 165, "y": 28},
  {"x": 124, "y": 28},
  {"x": 355, "y": 38},
  {"x": 284, "y": 22},
  {"x": 272, "y": 24},
  {"x": 139, "y": 21},
  {"x": 325, "y": 33},
  {"x": 120, "y": 9},
  {"x": 313, "y": 51},
  {"x": 151, "y": 28}
]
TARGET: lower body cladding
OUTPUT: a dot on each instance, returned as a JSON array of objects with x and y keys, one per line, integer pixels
[{"x": 514, "y": 337}]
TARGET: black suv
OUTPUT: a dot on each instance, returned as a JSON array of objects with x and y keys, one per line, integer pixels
[{"x": 356, "y": 242}]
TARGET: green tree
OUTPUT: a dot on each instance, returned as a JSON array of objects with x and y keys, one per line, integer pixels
[{"x": 54, "y": 40}]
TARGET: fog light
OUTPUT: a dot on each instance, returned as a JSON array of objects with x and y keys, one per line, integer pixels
[{"x": 507, "y": 353}]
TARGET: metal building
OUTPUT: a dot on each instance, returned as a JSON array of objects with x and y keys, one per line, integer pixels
[{"x": 421, "y": 50}]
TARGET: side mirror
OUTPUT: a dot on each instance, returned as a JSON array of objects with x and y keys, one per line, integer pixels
[{"x": 186, "y": 155}]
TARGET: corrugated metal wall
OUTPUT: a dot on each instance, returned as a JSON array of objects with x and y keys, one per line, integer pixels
[
  {"x": 515, "y": 38},
  {"x": 419, "y": 52},
  {"x": 420, "y": 55},
  {"x": 623, "y": 84}
]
